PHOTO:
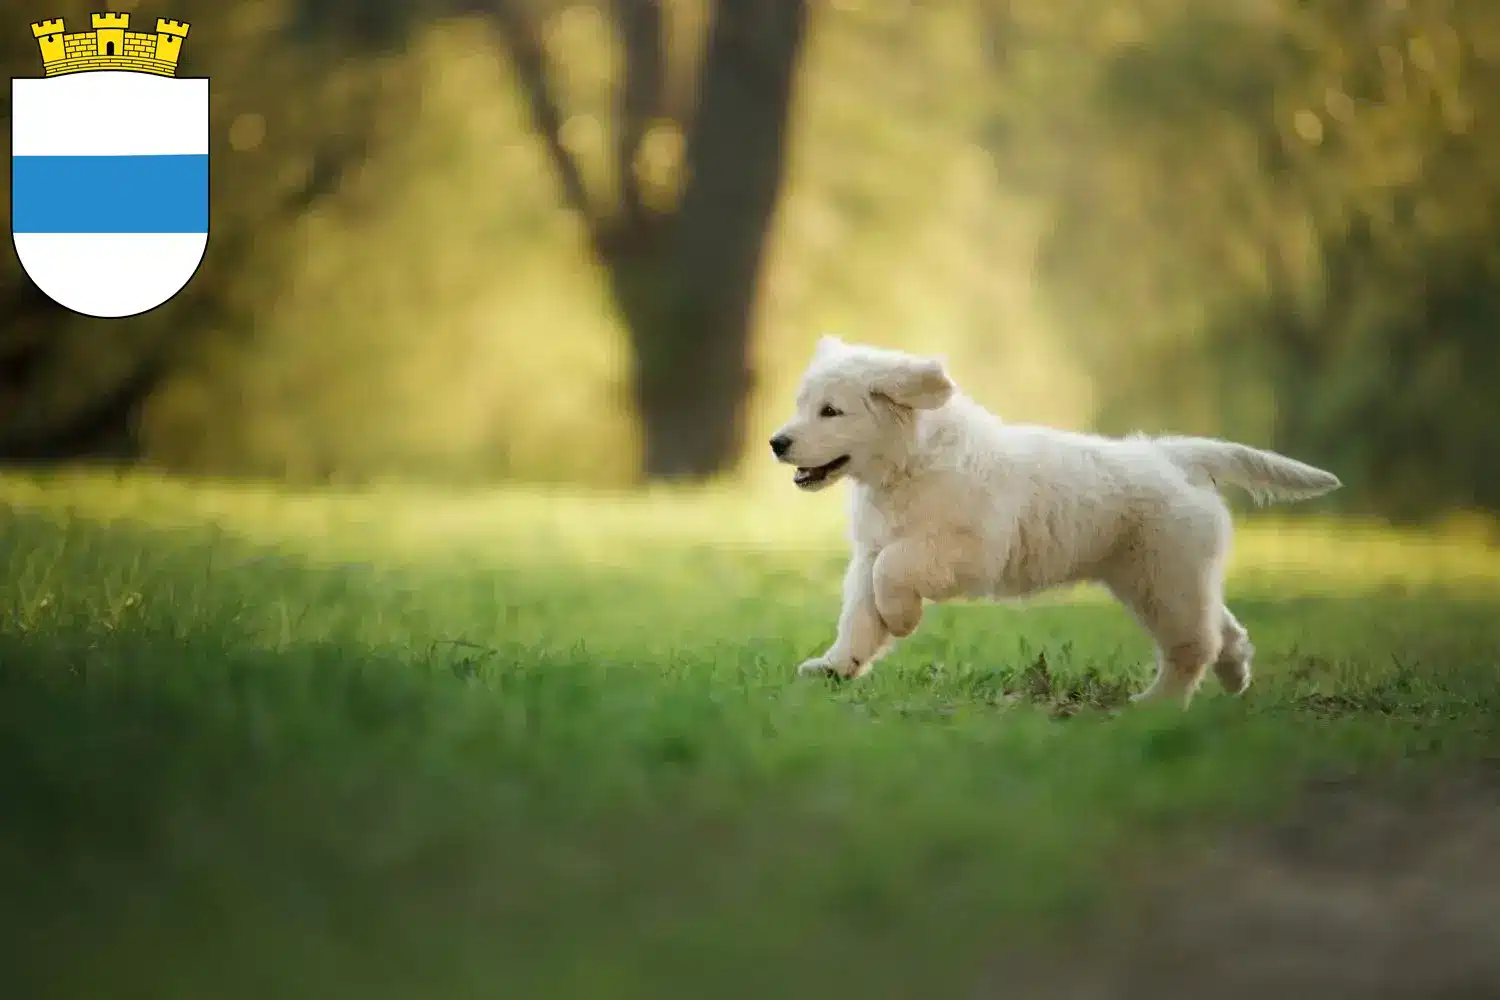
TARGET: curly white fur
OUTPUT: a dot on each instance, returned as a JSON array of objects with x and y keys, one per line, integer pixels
[{"x": 948, "y": 501}]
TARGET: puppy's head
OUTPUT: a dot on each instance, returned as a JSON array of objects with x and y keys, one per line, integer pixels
[{"x": 852, "y": 404}]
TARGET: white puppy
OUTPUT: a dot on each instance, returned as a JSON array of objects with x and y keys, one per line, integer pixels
[{"x": 948, "y": 501}]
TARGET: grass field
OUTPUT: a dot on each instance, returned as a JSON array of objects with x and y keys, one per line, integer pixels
[{"x": 410, "y": 745}]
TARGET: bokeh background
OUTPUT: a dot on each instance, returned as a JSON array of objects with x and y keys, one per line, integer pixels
[{"x": 591, "y": 244}]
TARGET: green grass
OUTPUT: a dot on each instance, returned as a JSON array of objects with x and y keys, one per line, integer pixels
[{"x": 408, "y": 745}]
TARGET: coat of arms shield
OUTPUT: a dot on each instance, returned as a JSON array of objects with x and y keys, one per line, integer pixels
[{"x": 109, "y": 167}]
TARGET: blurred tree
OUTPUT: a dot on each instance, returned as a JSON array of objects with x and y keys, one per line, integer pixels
[
  {"x": 685, "y": 271},
  {"x": 683, "y": 260}
]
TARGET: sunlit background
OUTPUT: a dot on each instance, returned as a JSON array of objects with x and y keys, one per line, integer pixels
[{"x": 584, "y": 244}]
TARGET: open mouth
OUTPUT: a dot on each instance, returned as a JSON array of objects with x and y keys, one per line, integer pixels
[{"x": 817, "y": 475}]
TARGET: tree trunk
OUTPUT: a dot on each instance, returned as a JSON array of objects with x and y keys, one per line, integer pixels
[
  {"x": 685, "y": 281},
  {"x": 689, "y": 300}
]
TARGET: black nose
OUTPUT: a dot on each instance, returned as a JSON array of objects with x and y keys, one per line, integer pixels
[{"x": 779, "y": 444}]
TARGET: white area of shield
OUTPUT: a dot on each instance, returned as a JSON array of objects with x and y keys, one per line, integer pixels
[{"x": 110, "y": 275}]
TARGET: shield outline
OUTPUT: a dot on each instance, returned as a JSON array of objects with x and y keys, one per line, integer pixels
[{"x": 53, "y": 294}]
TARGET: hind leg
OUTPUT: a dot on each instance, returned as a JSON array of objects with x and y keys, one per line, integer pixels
[
  {"x": 1184, "y": 652},
  {"x": 1233, "y": 664},
  {"x": 1173, "y": 589},
  {"x": 1182, "y": 616}
]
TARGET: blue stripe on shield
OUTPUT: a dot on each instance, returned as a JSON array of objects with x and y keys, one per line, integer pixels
[{"x": 147, "y": 194}]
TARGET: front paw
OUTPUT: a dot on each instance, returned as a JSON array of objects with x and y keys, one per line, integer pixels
[
  {"x": 830, "y": 667},
  {"x": 817, "y": 666}
]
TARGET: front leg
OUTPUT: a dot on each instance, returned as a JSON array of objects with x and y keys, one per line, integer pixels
[
  {"x": 862, "y": 637},
  {"x": 910, "y": 571}
]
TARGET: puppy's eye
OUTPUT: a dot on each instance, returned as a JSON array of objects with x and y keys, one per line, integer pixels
[{"x": 828, "y": 411}]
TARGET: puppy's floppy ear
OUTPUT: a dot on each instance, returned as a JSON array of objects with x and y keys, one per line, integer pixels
[
  {"x": 918, "y": 383},
  {"x": 828, "y": 344}
]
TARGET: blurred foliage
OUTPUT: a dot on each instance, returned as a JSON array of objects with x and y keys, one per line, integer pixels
[
  {"x": 1281, "y": 219},
  {"x": 1270, "y": 219}
]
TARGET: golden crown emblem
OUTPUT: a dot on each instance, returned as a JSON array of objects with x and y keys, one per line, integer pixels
[{"x": 110, "y": 46}]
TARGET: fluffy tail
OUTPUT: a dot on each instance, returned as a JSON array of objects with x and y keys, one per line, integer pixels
[{"x": 1265, "y": 475}]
